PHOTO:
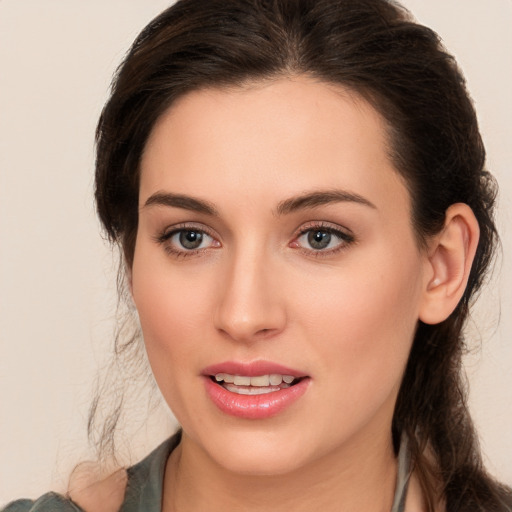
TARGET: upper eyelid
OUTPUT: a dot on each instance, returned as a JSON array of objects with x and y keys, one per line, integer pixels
[
  {"x": 184, "y": 226},
  {"x": 326, "y": 225}
]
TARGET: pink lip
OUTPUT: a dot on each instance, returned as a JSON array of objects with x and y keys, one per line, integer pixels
[
  {"x": 253, "y": 406},
  {"x": 251, "y": 369}
]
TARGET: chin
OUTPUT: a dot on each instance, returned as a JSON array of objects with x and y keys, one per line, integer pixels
[
  {"x": 257, "y": 462},
  {"x": 258, "y": 452}
]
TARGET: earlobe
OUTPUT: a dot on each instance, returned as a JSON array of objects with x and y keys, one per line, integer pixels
[{"x": 450, "y": 257}]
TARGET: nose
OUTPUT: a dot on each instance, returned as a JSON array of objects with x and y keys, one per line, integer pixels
[{"x": 250, "y": 305}]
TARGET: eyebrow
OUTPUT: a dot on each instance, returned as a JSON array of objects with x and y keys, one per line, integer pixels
[
  {"x": 302, "y": 202},
  {"x": 180, "y": 201},
  {"x": 313, "y": 199}
]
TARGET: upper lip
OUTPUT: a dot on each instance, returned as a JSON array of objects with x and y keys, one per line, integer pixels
[{"x": 252, "y": 369}]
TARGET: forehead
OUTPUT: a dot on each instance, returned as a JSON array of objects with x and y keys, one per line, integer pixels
[{"x": 276, "y": 138}]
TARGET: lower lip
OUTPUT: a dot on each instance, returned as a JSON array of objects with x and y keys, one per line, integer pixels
[{"x": 254, "y": 407}]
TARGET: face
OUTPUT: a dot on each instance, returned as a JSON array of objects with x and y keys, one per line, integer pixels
[{"x": 275, "y": 243}]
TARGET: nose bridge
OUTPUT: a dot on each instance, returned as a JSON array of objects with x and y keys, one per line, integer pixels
[{"x": 249, "y": 306}]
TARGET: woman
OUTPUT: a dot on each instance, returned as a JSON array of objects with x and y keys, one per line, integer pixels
[{"x": 299, "y": 193}]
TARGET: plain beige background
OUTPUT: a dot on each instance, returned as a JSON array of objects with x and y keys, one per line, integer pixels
[{"x": 57, "y": 294}]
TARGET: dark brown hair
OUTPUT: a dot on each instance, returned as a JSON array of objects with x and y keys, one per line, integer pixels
[{"x": 374, "y": 48}]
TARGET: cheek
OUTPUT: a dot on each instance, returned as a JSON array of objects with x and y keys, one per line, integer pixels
[
  {"x": 363, "y": 324},
  {"x": 172, "y": 311}
]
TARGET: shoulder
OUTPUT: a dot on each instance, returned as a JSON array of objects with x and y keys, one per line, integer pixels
[
  {"x": 50, "y": 502},
  {"x": 137, "y": 489},
  {"x": 86, "y": 494}
]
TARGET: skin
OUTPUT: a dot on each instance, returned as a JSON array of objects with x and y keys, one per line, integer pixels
[{"x": 256, "y": 290}]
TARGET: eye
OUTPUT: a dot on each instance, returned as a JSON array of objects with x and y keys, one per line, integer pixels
[
  {"x": 190, "y": 239},
  {"x": 321, "y": 238},
  {"x": 185, "y": 241}
]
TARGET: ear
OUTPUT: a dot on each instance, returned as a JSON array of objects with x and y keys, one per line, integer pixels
[{"x": 450, "y": 256}]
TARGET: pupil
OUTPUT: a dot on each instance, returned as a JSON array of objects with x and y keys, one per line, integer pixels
[
  {"x": 191, "y": 239},
  {"x": 319, "y": 239}
]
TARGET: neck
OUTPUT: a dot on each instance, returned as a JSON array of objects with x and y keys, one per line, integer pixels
[{"x": 359, "y": 476}]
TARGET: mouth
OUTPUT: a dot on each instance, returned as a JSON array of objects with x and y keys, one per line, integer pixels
[
  {"x": 256, "y": 390},
  {"x": 255, "y": 385}
]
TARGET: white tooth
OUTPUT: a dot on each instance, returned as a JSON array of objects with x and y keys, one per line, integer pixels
[
  {"x": 251, "y": 391},
  {"x": 262, "y": 390},
  {"x": 288, "y": 379},
  {"x": 261, "y": 380},
  {"x": 275, "y": 379},
  {"x": 228, "y": 378},
  {"x": 219, "y": 377},
  {"x": 242, "y": 380}
]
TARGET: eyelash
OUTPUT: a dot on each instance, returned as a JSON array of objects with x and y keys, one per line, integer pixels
[{"x": 345, "y": 239}]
